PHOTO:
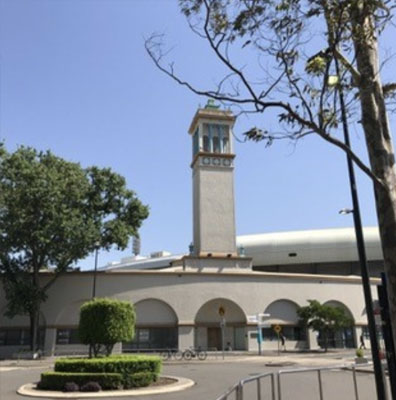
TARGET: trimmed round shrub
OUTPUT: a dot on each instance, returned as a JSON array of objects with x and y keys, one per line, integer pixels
[
  {"x": 359, "y": 353},
  {"x": 71, "y": 387},
  {"x": 91, "y": 387},
  {"x": 105, "y": 322}
]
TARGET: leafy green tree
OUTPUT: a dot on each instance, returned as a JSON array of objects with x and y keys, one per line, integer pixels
[
  {"x": 324, "y": 319},
  {"x": 105, "y": 322},
  {"x": 297, "y": 59},
  {"x": 52, "y": 214}
]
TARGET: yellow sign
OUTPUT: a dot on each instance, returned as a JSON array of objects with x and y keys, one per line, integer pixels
[{"x": 277, "y": 328}]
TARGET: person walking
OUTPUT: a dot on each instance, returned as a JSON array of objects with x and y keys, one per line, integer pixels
[
  {"x": 362, "y": 344},
  {"x": 283, "y": 341}
]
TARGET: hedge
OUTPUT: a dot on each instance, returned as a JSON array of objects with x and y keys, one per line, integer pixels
[
  {"x": 124, "y": 365},
  {"x": 139, "y": 379},
  {"x": 57, "y": 380}
]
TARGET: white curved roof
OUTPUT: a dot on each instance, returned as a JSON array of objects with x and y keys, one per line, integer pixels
[
  {"x": 313, "y": 246},
  {"x": 283, "y": 248}
]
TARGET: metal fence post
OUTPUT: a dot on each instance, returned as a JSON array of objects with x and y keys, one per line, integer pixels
[
  {"x": 258, "y": 389},
  {"x": 273, "y": 386},
  {"x": 355, "y": 382},
  {"x": 239, "y": 392},
  {"x": 279, "y": 386},
  {"x": 320, "y": 385}
]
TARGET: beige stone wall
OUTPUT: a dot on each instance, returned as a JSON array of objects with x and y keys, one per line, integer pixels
[{"x": 184, "y": 294}]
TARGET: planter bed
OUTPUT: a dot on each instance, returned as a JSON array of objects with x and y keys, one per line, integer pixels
[{"x": 107, "y": 373}]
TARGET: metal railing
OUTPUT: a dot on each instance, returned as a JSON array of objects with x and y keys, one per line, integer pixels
[{"x": 237, "y": 391}]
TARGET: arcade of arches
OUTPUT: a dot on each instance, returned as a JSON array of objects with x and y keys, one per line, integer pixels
[
  {"x": 157, "y": 326},
  {"x": 217, "y": 321}
]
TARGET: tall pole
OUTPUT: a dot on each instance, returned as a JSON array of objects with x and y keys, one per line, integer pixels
[
  {"x": 222, "y": 326},
  {"x": 379, "y": 375},
  {"x": 95, "y": 273}
]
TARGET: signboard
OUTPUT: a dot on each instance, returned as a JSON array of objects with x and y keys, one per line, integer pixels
[
  {"x": 277, "y": 328},
  {"x": 252, "y": 319},
  {"x": 259, "y": 319}
]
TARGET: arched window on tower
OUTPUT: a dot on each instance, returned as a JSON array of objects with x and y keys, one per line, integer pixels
[
  {"x": 216, "y": 144},
  {"x": 225, "y": 141},
  {"x": 206, "y": 143}
]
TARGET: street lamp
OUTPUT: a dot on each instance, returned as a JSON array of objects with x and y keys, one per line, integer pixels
[
  {"x": 345, "y": 211},
  {"x": 97, "y": 244},
  {"x": 379, "y": 375}
]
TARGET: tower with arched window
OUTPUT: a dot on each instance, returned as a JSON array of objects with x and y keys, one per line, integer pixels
[{"x": 213, "y": 185}]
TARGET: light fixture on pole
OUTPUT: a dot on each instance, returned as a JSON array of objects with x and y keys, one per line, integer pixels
[
  {"x": 378, "y": 372},
  {"x": 97, "y": 244},
  {"x": 345, "y": 211}
]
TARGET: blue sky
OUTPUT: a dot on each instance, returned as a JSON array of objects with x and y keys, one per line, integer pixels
[{"x": 75, "y": 79}]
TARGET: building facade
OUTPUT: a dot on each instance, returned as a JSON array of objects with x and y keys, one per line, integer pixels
[{"x": 196, "y": 299}]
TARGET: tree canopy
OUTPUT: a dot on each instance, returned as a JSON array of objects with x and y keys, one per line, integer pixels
[
  {"x": 52, "y": 214},
  {"x": 324, "y": 319}
]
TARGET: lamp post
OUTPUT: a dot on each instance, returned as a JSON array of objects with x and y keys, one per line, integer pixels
[
  {"x": 379, "y": 376},
  {"x": 95, "y": 270}
]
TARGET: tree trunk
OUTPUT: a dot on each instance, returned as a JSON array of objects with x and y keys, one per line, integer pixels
[
  {"x": 34, "y": 314},
  {"x": 379, "y": 145},
  {"x": 34, "y": 327},
  {"x": 326, "y": 340}
]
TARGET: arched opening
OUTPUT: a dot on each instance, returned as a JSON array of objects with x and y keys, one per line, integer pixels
[
  {"x": 218, "y": 323},
  {"x": 283, "y": 314},
  {"x": 156, "y": 327},
  {"x": 344, "y": 337}
]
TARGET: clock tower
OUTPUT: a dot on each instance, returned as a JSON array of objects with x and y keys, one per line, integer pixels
[{"x": 213, "y": 182}]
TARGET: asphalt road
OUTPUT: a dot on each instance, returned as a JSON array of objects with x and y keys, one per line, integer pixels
[{"x": 214, "y": 377}]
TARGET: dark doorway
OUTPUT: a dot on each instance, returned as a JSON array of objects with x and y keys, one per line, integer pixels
[{"x": 214, "y": 338}]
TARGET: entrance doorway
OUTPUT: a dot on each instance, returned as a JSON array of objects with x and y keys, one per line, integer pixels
[{"x": 214, "y": 338}]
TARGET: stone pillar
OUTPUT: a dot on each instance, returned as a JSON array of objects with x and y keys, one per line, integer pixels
[
  {"x": 312, "y": 342},
  {"x": 117, "y": 349},
  {"x": 186, "y": 336},
  {"x": 49, "y": 342}
]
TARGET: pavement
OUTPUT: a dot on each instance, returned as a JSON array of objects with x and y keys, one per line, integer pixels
[
  {"x": 214, "y": 375},
  {"x": 313, "y": 358}
]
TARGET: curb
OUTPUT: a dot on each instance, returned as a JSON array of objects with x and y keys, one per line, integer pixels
[{"x": 181, "y": 384}]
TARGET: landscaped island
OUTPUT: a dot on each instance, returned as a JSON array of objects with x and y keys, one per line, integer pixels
[{"x": 107, "y": 373}]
